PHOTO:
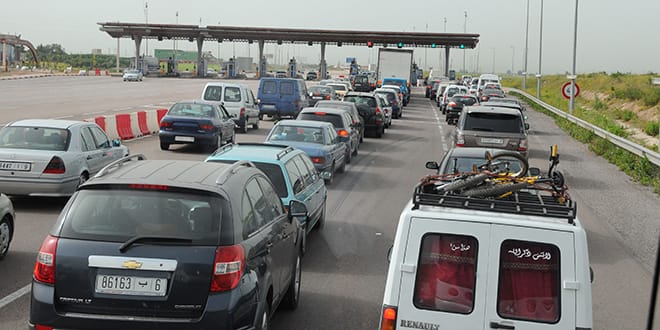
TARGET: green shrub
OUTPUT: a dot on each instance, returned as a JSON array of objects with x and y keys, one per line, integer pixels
[
  {"x": 625, "y": 115},
  {"x": 598, "y": 104},
  {"x": 651, "y": 98},
  {"x": 652, "y": 128},
  {"x": 629, "y": 93}
]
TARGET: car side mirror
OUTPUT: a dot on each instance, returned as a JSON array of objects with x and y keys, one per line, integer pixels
[
  {"x": 432, "y": 165},
  {"x": 534, "y": 171},
  {"x": 526, "y": 126},
  {"x": 116, "y": 142},
  {"x": 389, "y": 253},
  {"x": 258, "y": 101},
  {"x": 297, "y": 210}
]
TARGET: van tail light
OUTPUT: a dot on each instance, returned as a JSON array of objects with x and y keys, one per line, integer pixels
[
  {"x": 451, "y": 104},
  {"x": 228, "y": 267},
  {"x": 388, "y": 319},
  {"x": 342, "y": 132},
  {"x": 460, "y": 140},
  {"x": 44, "y": 267},
  {"x": 523, "y": 145},
  {"x": 165, "y": 124},
  {"x": 42, "y": 327},
  {"x": 55, "y": 166},
  {"x": 317, "y": 160},
  {"x": 242, "y": 112}
]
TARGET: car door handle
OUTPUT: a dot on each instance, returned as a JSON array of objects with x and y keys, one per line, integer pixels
[
  {"x": 90, "y": 157},
  {"x": 502, "y": 325}
]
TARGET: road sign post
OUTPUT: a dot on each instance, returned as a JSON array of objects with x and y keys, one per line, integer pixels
[{"x": 567, "y": 89}]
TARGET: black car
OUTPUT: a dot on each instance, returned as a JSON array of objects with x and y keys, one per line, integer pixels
[
  {"x": 196, "y": 122},
  {"x": 311, "y": 75},
  {"x": 371, "y": 109},
  {"x": 456, "y": 104},
  {"x": 364, "y": 83},
  {"x": 169, "y": 244}
]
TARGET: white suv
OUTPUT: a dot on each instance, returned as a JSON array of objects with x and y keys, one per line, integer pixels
[{"x": 458, "y": 262}]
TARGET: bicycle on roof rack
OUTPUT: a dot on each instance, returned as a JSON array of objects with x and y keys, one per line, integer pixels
[{"x": 495, "y": 179}]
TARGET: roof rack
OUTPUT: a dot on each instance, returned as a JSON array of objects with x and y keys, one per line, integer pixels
[
  {"x": 261, "y": 144},
  {"x": 117, "y": 163},
  {"x": 525, "y": 202},
  {"x": 232, "y": 169}
]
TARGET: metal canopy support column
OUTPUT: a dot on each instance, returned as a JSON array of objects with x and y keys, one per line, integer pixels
[
  {"x": 262, "y": 67},
  {"x": 200, "y": 67},
  {"x": 138, "y": 43},
  {"x": 446, "y": 61},
  {"x": 4, "y": 56},
  {"x": 323, "y": 68}
]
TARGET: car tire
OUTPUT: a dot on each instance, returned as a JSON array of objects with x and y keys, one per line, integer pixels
[
  {"x": 82, "y": 178},
  {"x": 348, "y": 157},
  {"x": 261, "y": 116},
  {"x": 292, "y": 295},
  {"x": 332, "y": 176},
  {"x": 6, "y": 232},
  {"x": 255, "y": 125},
  {"x": 342, "y": 169},
  {"x": 355, "y": 152},
  {"x": 380, "y": 132},
  {"x": 164, "y": 146}
]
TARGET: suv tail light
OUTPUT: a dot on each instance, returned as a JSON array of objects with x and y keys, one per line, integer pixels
[
  {"x": 318, "y": 160},
  {"x": 460, "y": 140},
  {"x": 378, "y": 111},
  {"x": 55, "y": 166},
  {"x": 42, "y": 327},
  {"x": 388, "y": 320},
  {"x": 242, "y": 112},
  {"x": 523, "y": 145},
  {"x": 327, "y": 97},
  {"x": 342, "y": 132},
  {"x": 44, "y": 267},
  {"x": 228, "y": 268}
]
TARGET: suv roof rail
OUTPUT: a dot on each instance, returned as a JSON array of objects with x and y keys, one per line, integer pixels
[
  {"x": 117, "y": 163},
  {"x": 525, "y": 202},
  {"x": 232, "y": 169}
]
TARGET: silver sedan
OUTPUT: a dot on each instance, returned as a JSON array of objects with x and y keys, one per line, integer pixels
[
  {"x": 7, "y": 217},
  {"x": 50, "y": 157}
]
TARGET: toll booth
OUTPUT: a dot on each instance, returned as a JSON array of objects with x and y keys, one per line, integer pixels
[
  {"x": 172, "y": 69},
  {"x": 204, "y": 66},
  {"x": 231, "y": 68},
  {"x": 293, "y": 68},
  {"x": 263, "y": 67}
]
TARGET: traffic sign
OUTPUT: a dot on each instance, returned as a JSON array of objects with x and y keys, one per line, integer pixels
[{"x": 566, "y": 90}]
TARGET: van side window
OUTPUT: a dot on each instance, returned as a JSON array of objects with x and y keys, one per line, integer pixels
[
  {"x": 232, "y": 94},
  {"x": 306, "y": 174},
  {"x": 213, "y": 93},
  {"x": 529, "y": 281},
  {"x": 446, "y": 275},
  {"x": 269, "y": 87},
  {"x": 295, "y": 177},
  {"x": 286, "y": 87}
]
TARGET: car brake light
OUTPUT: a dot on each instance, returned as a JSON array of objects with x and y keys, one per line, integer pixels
[
  {"x": 460, "y": 140},
  {"x": 44, "y": 267},
  {"x": 342, "y": 132},
  {"x": 451, "y": 104},
  {"x": 165, "y": 124},
  {"x": 319, "y": 113},
  {"x": 388, "y": 321},
  {"x": 55, "y": 166},
  {"x": 242, "y": 112},
  {"x": 206, "y": 127},
  {"x": 523, "y": 145},
  {"x": 148, "y": 186},
  {"x": 378, "y": 111},
  {"x": 228, "y": 268},
  {"x": 318, "y": 160},
  {"x": 42, "y": 327},
  {"x": 327, "y": 97}
]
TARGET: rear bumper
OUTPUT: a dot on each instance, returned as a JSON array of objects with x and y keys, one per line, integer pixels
[
  {"x": 39, "y": 186},
  {"x": 171, "y": 138}
]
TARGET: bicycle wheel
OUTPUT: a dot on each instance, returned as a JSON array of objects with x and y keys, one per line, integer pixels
[
  {"x": 468, "y": 182},
  {"x": 494, "y": 190},
  {"x": 499, "y": 163}
]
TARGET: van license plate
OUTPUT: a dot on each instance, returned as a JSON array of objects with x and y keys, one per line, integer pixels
[
  {"x": 131, "y": 285},
  {"x": 184, "y": 138},
  {"x": 492, "y": 141}
]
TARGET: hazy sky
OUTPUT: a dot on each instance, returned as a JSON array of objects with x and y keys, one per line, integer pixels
[{"x": 613, "y": 35}]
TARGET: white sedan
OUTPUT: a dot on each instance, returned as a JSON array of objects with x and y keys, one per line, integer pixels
[{"x": 132, "y": 75}]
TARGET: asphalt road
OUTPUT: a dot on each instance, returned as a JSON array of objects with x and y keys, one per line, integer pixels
[{"x": 345, "y": 269}]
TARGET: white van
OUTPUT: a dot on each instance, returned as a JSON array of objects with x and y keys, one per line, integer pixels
[
  {"x": 237, "y": 99},
  {"x": 483, "y": 79},
  {"x": 486, "y": 263}
]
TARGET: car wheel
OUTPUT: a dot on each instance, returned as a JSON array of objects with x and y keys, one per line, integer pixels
[
  {"x": 329, "y": 180},
  {"x": 6, "y": 232},
  {"x": 355, "y": 152},
  {"x": 362, "y": 137},
  {"x": 164, "y": 146},
  {"x": 292, "y": 295},
  {"x": 82, "y": 178},
  {"x": 261, "y": 116},
  {"x": 380, "y": 132},
  {"x": 263, "y": 323},
  {"x": 255, "y": 125}
]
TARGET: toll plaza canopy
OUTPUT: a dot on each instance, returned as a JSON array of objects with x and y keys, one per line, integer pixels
[{"x": 138, "y": 31}]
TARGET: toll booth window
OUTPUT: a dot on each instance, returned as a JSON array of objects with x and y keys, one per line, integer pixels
[
  {"x": 286, "y": 88},
  {"x": 446, "y": 277},
  {"x": 529, "y": 282}
]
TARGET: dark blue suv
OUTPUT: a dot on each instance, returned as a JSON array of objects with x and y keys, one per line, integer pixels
[{"x": 169, "y": 244}]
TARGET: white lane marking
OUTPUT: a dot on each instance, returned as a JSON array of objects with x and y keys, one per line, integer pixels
[
  {"x": 14, "y": 295},
  {"x": 440, "y": 124}
]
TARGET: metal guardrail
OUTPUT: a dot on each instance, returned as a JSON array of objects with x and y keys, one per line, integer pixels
[{"x": 632, "y": 147}]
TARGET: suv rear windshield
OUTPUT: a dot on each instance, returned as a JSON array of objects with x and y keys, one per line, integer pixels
[
  {"x": 465, "y": 100},
  {"x": 447, "y": 273},
  {"x": 232, "y": 94},
  {"x": 118, "y": 213},
  {"x": 361, "y": 100},
  {"x": 322, "y": 116},
  {"x": 269, "y": 87},
  {"x": 493, "y": 122},
  {"x": 213, "y": 93}
]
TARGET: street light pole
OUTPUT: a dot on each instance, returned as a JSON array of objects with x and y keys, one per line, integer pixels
[
  {"x": 425, "y": 56},
  {"x": 493, "y": 49},
  {"x": 464, "y": 31},
  {"x": 573, "y": 75},
  {"x": 538, "y": 75},
  {"x": 513, "y": 56},
  {"x": 146, "y": 20},
  {"x": 524, "y": 82}
]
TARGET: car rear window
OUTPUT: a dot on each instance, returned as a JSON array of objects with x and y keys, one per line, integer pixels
[
  {"x": 322, "y": 116},
  {"x": 338, "y": 87},
  {"x": 318, "y": 90},
  {"x": 192, "y": 110},
  {"x": 493, "y": 122},
  {"x": 296, "y": 134},
  {"x": 35, "y": 138},
  {"x": 361, "y": 100},
  {"x": 269, "y": 87},
  {"x": 232, "y": 94},
  {"x": 465, "y": 100},
  {"x": 446, "y": 274},
  {"x": 286, "y": 88},
  {"x": 529, "y": 281},
  {"x": 389, "y": 96},
  {"x": 213, "y": 93},
  {"x": 119, "y": 213}
]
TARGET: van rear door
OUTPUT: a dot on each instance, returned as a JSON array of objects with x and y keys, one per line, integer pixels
[
  {"x": 440, "y": 288},
  {"x": 532, "y": 281}
]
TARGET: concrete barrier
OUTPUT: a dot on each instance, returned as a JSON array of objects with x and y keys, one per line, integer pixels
[
  {"x": 152, "y": 121},
  {"x": 111, "y": 127},
  {"x": 124, "y": 127},
  {"x": 143, "y": 127},
  {"x": 130, "y": 125}
]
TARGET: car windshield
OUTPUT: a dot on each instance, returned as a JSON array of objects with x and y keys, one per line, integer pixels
[
  {"x": 192, "y": 110},
  {"x": 35, "y": 138},
  {"x": 127, "y": 211},
  {"x": 297, "y": 134},
  {"x": 493, "y": 122}
]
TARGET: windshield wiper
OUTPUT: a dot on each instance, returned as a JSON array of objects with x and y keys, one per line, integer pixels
[{"x": 153, "y": 239}]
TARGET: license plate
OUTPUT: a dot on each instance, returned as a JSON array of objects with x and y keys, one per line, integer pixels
[
  {"x": 15, "y": 166},
  {"x": 131, "y": 285},
  {"x": 184, "y": 138},
  {"x": 267, "y": 107},
  {"x": 317, "y": 97},
  {"x": 492, "y": 141}
]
